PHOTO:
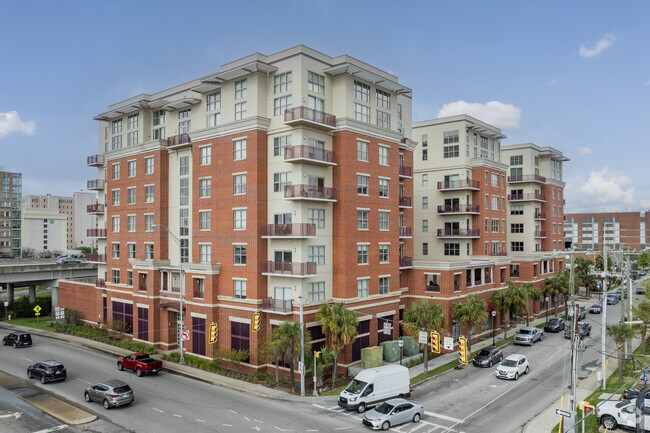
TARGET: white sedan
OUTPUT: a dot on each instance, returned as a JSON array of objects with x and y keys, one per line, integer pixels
[{"x": 512, "y": 367}]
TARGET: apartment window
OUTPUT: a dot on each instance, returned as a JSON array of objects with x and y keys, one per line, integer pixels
[
  {"x": 425, "y": 226},
  {"x": 240, "y": 219},
  {"x": 495, "y": 202},
  {"x": 185, "y": 250},
  {"x": 362, "y": 219},
  {"x": 116, "y": 171},
  {"x": 240, "y": 289},
  {"x": 148, "y": 223},
  {"x": 383, "y": 187},
  {"x": 184, "y": 221},
  {"x": 213, "y": 102},
  {"x": 240, "y": 254},
  {"x": 131, "y": 248},
  {"x": 148, "y": 165},
  {"x": 240, "y": 149},
  {"x": 516, "y": 228},
  {"x": 316, "y": 253},
  {"x": 362, "y": 184},
  {"x": 383, "y": 285},
  {"x": 362, "y": 150},
  {"x": 280, "y": 180},
  {"x": 130, "y": 223},
  {"x": 185, "y": 126},
  {"x": 148, "y": 251},
  {"x": 425, "y": 154},
  {"x": 495, "y": 226},
  {"x": 159, "y": 134},
  {"x": 130, "y": 192},
  {"x": 281, "y": 104},
  {"x": 184, "y": 196},
  {"x": 383, "y": 119},
  {"x": 205, "y": 253},
  {"x": 495, "y": 180},
  {"x": 239, "y": 184},
  {"x": 206, "y": 155},
  {"x": 383, "y": 253},
  {"x": 280, "y": 143},
  {"x": 425, "y": 202},
  {"x": 116, "y": 250},
  {"x": 158, "y": 117},
  {"x": 282, "y": 83},
  {"x": 204, "y": 219},
  {"x": 486, "y": 224},
  {"x": 451, "y": 151},
  {"x": 184, "y": 166},
  {"x": 315, "y": 82},
  {"x": 362, "y": 254},
  {"x": 361, "y": 91},
  {"x": 116, "y": 276},
  {"x": 517, "y": 246},
  {"x": 383, "y": 99},
  {"x": 517, "y": 160},
  {"x": 425, "y": 180},
  {"x": 316, "y": 291},
  {"x": 516, "y": 209},
  {"x": 553, "y": 210},
  {"x": 241, "y": 88},
  {"x": 240, "y": 111},
  {"x": 452, "y": 249},
  {"x": 116, "y": 224},
  {"x": 317, "y": 217},
  {"x": 117, "y": 126},
  {"x": 362, "y": 288},
  {"x": 116, "y": 197},
  {"x": 425, "y": 248},
  {"x": 205, "y": 187},
  {"x": 450, "y": 137},
  {"x": 213, "y": 119},
  {"x": 361, "y": 113},
  {"x": 383, "y": 155},
  {"x": 132, "y": 138},
  {"x": 148, "y": 193},
  {"x": 383, "y": 219},
  {"x": 131, "y": 168}
]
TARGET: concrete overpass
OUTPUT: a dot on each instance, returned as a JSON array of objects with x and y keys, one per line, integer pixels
[{"x": 40, "y": 272}]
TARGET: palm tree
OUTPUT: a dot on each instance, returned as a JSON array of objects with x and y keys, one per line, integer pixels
[
  {"x": 590, "y": 282},
  {"x": 555, "y": 285},
  {"x": 642, "y": 312},
  {"x": 423, "y": 317},
  {"x": 340, "y": 328},
  {"x": 470, "y": 314},
  {"x": 511, "y": 300},
  {"x": 532, "y": 294},
  {"x": 286, "y": 346},
  {"x": 621, "y": 333}
]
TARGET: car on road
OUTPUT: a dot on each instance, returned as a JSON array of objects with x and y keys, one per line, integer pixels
[
  {"x": 554, "y": 325},
  {"x": 612, "y": 299},
  {"x": 528, "y": 335},
  {"x": 141, "y": 363},
  {"x": 6, "y": 256},
  {"x": 584, "y": 330},
  {"x": 614, "y": 414},
  {"x": 17, "y": 339},
  {"x": 488, "y": 356},
  {"x": 47, "y": 371},
  {"x": 110, "y": 393},
  {"x": 631, "y": 393},
  {"x": 393, "y": 412},
  {"x": 596, "y": 309},
  {"x": 64, "y": 260},
  {"x": 642, "y": 273},
  {"x": 512, "y": 367}
]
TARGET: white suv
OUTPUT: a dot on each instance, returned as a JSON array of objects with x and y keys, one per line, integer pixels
[
  {"x": 512, "y": 367},
  {"x": 613, "y": 414}
]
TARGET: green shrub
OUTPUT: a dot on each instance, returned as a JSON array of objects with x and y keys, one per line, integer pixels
[
  {"x": 72, "y": 317},
  {"x": 138, "y": 347}
]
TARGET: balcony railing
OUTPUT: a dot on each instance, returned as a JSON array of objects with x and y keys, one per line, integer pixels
[
  {"x": 406, "y": 262},
  {"x": 528, "y": 196},
  {"x": 178, "y": 140},
  {"x": 99, "y": 282},
  {"x": 309, "y": 153},
  {"x": 299, "y": 230},
  {"x": 499, "y": 253},
  {"x": 96, "y": 233},
  {"x": 540, "y": 233},
  {"x": 302, "y": 113},
  {"x": 95, "y": 160},
  {"x": 96, "y": 258},
  {"x": 96, "y": 208},
  {"x": 277, "y": 305},
  {"x": 433, "y": 288},
  {"x": 405, "y": 202},
  {"x": 295, "y": 269},
  {"x": 463, "y": 233},
  {"x": 405, "y": 232},
  {"x": 459, "y": 184},
  {"x": 461, "y": 208},
  {"x": 405, "y": 171},
  {"x": 540, "y": 215},
  {"x": 198, "y": 293},
  {"x": 527, "y": 178},
  {"x": 96, "y": 184},
  {"x": 309, "y": 192}
]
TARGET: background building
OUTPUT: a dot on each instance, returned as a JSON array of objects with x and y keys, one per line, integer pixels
[
  {"x": 618, "y": 230},
  {"x": 11, "y": 185},
  {"x": 44, "y": 230}
]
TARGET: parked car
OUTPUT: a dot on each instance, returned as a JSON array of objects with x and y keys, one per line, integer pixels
[
  {"x": 393, "y": 412},
  {"x": 613, "y": 414},
  {"x": 584, "y": 330},
  {"x": 111, "y": 393},
  {"x": 631, "y": 393},
  {"x": 582, "y": 313},
  {"x": 529, "y": 335},
  {"x": 512, "y": 367},
  {"x": 554, "y": 325},
  {"x": 642, "y": 273},
  {"x": 63, "y": 260},
  {"x": 596, "y": 309},
  {"x": 6, "y": 256},
  {"x": 141, "y": 363},
  {"x": 488, "y": 356},
  {"x": 17, "y": 339},
  {"x": 375, "y": 385},
  {"x": 612, "y": 299},
  {"x": 47, "y": 371}
]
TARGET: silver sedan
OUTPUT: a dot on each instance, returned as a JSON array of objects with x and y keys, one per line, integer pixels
[{"x": 393, "y": 412}]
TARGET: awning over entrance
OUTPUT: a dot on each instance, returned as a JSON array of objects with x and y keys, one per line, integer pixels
[{"x": 173, "y": 305}]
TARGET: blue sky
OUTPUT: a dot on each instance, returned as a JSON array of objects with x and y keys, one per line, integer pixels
[{"x": 572, "y": 75}]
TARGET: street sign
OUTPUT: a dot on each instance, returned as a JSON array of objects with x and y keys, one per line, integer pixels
[
  {"x": 300, "y": 367},
  {"x": 387, "y": 328},
  {"x": 423, "y": 337},
  {"x": 448, "y": 343},
  {"x": 6, "y": 303},
  {"x": 185, "y": 335},
  {"x": 37, "y": 314},
  {"x": 563, "y": 412},
  {"x": 37, "y": 309}
]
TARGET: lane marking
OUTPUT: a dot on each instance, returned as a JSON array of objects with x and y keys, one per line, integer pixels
[
  {"x": 281, "y": 429},
  {"x": 259, "y": 421},
  {"x": 233, "y": 411},
  {"x": 227, "y": 425},
  {"x": 445, "y": 417},
  {"x": 318, "y": 406},
  {"x": 26, "y": 359},
  {"x": 177, "y": 416},
  {"x": 200, "y": 420},
  {"x": 10, "y": 414},
  {"x": 57, "y": 428},
  {"x": 84, "y": 381},
  {"x": 342, "y": 428},
  {"x": 158, "y": 410},
  {"x": 247, "y": 419},
  {"x": 313, "y": 430}
]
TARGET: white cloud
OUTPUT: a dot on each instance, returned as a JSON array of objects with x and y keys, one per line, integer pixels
[
  {"x": 645, "y": 204},
  {"x": 604, "y": 189},
  {"x": 553, "y": 82},
  {"x": 496, "y": 113},
  {"x": 647, "y": 83},
  {"x": 598, "y": 47},
  {"x": 10, "y": 122},
  {"x": 585, "y": 150}
]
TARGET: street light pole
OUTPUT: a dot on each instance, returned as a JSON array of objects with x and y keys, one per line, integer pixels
[
  {"x": 302, "y": 352},
  {"x": 494, "y": 315}
]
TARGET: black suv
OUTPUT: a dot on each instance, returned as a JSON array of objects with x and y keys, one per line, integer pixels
[
  {"x": 47, "y": 371},
  {"x": 554, "y": 325},
  {"x": 488, "y": 356},
  {"x": 17, "y": 340},
  {"x": 584, "y": 330}
]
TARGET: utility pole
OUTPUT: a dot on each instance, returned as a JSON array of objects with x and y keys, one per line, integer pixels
[
  {"x": 574, "y": 345},
  {"x": 302, "y": 351},
  {"x": 603, "y": 329}
]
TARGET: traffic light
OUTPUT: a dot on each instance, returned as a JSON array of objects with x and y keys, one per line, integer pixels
[
  {"x": 462, "y": 350},
  {"x": 317, "y": 354},
  {"x": 256, "y": 321},
  {"x": 214, "y": 333},
  {"x": 435, "y": 342}
]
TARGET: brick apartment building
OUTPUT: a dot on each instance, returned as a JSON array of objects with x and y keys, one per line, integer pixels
[{"x": 619, "y": 230}]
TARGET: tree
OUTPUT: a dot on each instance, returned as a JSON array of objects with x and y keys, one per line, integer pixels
[
  {"x": 621, "y": 333},
  {"x": 590, "y": 282},
  {"x": 285, "y": 343},
  {"x": 532, "y": 294},
  {"x": 423, "y": 317},
  {"x": 556, "y": 285},
  {"x": 340, "y": 328},
  {"x": 641, "y": 311},
  {"x": 510, "y": 300},
  {"x": 644, "y": 259},
  {"x": 470, "y": 314}
]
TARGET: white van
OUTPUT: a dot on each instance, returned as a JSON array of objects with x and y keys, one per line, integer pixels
[{"x": 374, "y": 385}]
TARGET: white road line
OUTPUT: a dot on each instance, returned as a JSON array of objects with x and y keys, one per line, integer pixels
[
  {"x": 10, "y": 414},
  {"x": 281, "y": 429},
  {"x": 200, "y": 420},
  {"x": 247, "y": 419},
  {"x": 259, "y": 421},
  {"x": 158, "y": 410},
  {"x": 318, "y": 406},
  {"x": 26, "y": 359},
  {"x": 227, "y": 425},
  {"x": 313, "y": 430},
  {"x": 177, "y": 416},
  {"x": 342, "y": 428},
  {"x": 57, "y": 428},
  {"x": 233, "y": 411},
  {"x": 84, "y": 381},
  {"x": 445, "y": 417},
  {"x": 418, "y": 426}
]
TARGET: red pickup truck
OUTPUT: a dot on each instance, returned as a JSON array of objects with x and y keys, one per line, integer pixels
[{"x": 141, "y": 363}]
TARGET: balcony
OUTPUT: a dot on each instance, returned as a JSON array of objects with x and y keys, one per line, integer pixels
[
  {"x": 309, "y": 154},
  {"x": 300, "y": 230},
  {"x": 527, "y": 178},
  {"x": 433, "y": 288},
  {"x": 531, "y": 196},
  {"x": 499, "y": 254},
  {"x": 179, "y": 140},
  {"x": 96, "y": 233},
  {"x": 309, "y": 116},
  {"x": 540, "y": 233},
  {"x": 96, "y": 184},
  {"x": 455, "y": 185},
  {"x": 95, "y": 209},
  {"x": 539, "y": 215},
  {"x": 95, "y": 160},
  {"x": 459, "y": 209},
  {"x": 405, "y": 202},
  {"x": 458, "y": 233},
  {"x": 405, "y": 172},
  {"x": 277, "y": 305},
  {"x": 289, "y": 269},
  {"x": 96, "y": 258},
  {"x": 406, "y": 262},
  {"x": 309, "y": 192},
  {"x": 99, "y": 282},
  {"x": 405, "y": 232}
]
